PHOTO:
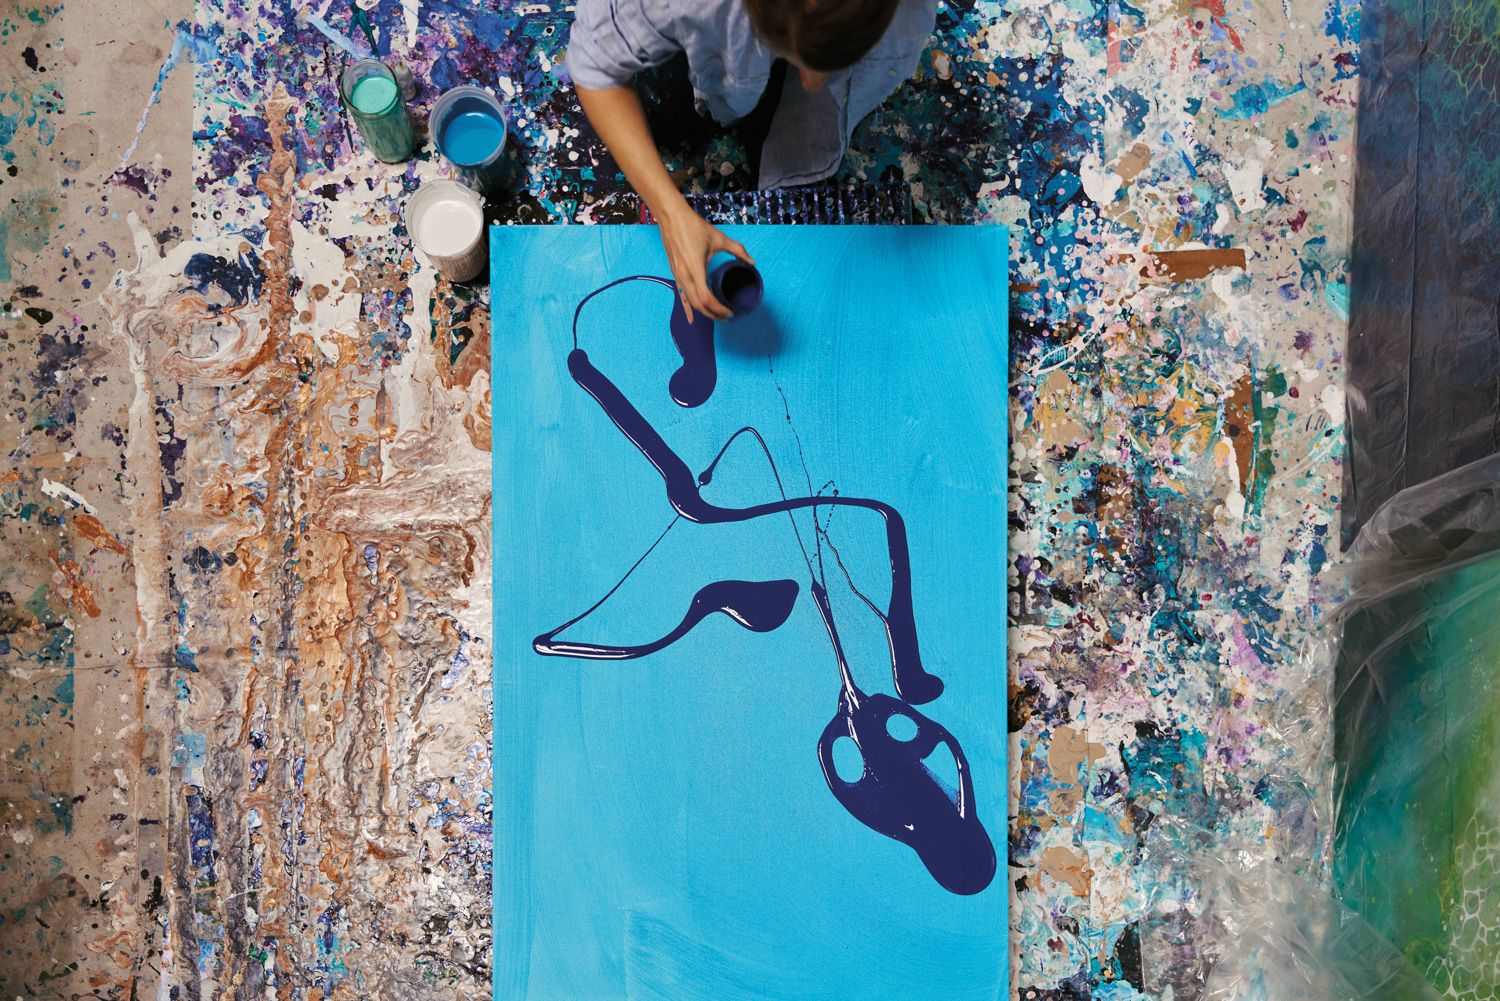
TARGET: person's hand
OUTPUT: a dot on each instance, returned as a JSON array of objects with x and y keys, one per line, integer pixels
[
  {"x": 690, "y": 241},
  {"x": 617, "y": 116}
]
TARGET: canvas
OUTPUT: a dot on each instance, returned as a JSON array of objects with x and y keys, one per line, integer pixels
[{"x": 750, "y": 672}]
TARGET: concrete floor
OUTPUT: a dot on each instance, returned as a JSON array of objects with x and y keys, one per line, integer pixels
[{"x": 80, "y": 783}]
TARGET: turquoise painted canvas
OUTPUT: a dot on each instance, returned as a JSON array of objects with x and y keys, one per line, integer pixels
[{"x": 750, "y": 671}]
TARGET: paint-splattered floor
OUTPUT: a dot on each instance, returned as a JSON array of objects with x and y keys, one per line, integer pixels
[{"x": 244, "y": 595}]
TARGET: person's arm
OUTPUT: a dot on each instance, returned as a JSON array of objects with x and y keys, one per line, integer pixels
[{"x": 688, "y": 239}]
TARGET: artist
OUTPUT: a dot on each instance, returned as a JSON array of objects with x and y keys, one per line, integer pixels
[{"x": 850, "y": 55}]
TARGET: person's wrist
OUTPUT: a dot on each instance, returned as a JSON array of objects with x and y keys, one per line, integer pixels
[{"x": 673, "y": 210}]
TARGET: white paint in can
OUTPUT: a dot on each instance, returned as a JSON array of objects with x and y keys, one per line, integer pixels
[{"x": 446, "y": 222}]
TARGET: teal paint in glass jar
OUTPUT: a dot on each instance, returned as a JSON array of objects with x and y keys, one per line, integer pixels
[{"x": 373, "y": 97}]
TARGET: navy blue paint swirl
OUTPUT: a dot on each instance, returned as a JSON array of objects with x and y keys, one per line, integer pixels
[
  {"x": 693, "y": 383},
  {"x": 900, "y": 797},
  {"x": 913, "y": 683},
  {"x": 758, "y": 605},
  {"x": 240, "y": 279},
  {"x": 896, "y": 794}
]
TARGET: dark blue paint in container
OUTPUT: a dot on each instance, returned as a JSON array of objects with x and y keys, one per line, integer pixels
[
  {"x": 737, "y": 285},
  {"x": 468, "y": 127}
]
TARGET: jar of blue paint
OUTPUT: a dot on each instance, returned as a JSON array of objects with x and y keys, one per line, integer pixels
[
  {"x": 373, "y": 97},
  {"x": 468, "y": 128}
]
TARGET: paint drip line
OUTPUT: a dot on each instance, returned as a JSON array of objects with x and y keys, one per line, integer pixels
[
  {"x": 362, "y": 20},
  {"x": 334, "y": 35},
  {"x": 203, "y": 52}
]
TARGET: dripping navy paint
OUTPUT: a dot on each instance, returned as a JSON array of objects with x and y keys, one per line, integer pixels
[{"x": 896, "y": 794}]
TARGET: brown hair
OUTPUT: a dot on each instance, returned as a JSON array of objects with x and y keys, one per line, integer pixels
[{"x": 824, "y": 35}]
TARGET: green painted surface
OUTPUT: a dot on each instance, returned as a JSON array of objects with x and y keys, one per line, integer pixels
[{"x": 1418, "y": 742}]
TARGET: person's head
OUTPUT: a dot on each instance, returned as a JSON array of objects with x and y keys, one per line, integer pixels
[{"x": 820, "y": 36}]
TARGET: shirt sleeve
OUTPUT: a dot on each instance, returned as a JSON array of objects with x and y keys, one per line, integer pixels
[
  {"x": 612, "y": 40},
  {"x": 894, "y": 59}
]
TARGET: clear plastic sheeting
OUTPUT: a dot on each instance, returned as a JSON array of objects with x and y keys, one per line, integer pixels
[
  {"x": 1427, "y": 532},
  {"x": 1417, "y": 730},
  {"x": 1253, "y": 930},
  {"x": 1287, "y": 940},
  {"x": 1398, "y": 898},
  {"x": 1424, "y": 317}
]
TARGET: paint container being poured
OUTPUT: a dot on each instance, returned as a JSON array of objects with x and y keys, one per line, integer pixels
[
  {"x": 446, "y": 222},
  {"x": 737, "y": 285}
]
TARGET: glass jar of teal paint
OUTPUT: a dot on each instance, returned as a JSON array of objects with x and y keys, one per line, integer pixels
[{"x": 373, "y": 97}]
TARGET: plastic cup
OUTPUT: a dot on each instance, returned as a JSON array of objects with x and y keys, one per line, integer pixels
[
  {"x": 373, "y": 97},
  {"x": 446, "y": 222},
  {"x": 468, "y": 128}
]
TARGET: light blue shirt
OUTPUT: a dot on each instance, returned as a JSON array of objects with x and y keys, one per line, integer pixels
[{"x": 729, "y": 66}]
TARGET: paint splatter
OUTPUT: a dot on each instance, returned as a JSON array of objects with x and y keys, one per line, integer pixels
[{"x": 302, "y": 409}]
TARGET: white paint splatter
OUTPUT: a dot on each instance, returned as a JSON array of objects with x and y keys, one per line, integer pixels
[
  {"x": 1247, "y": 182},
  {"x": 55, "y": 490},
  {"x": 318, "y": 261},
  {"x": 1099, "y": 182},
  {"x": 1332, "y": 399},
  {"x": 335, "y": 36},
  {"x": 410, "y": 9}
]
